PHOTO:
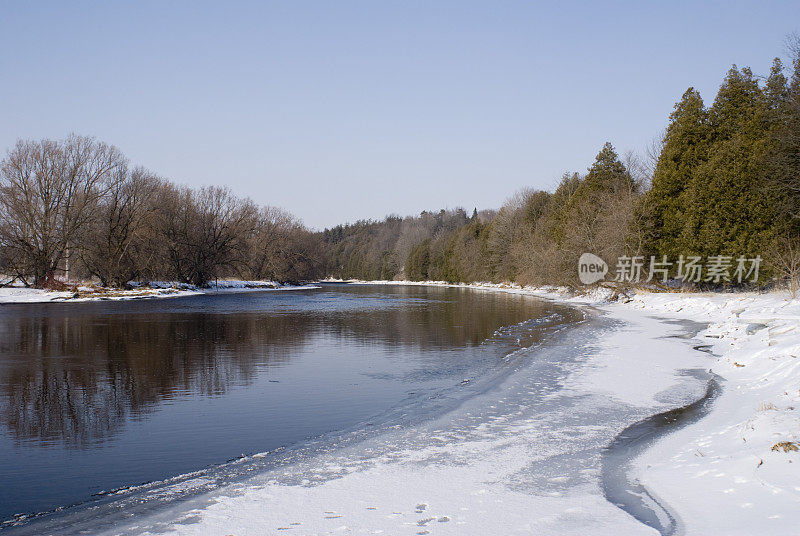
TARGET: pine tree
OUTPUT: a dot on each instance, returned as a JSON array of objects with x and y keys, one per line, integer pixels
[
  {"x": 783, "y": 163},
  {"x": 607, "y": 174},
  {"x": 595, "y": 216},
  {"x": 776, "y": 90},
  {"x": 418, "y": 263},
  {"x": 685, "y": 148},
  {"x": 728, "y": 210}
]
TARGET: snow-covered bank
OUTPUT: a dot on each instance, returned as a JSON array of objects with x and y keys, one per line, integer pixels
[
  {"x": 504, "y": 464},
  {"x": 736, "y": 471},
  {"x": 524, "y": 457},
  {"x": 520, "y": 458},
  {"x": 159, "y": 289}
]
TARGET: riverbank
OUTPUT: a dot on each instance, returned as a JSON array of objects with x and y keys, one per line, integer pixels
[
  {"x": 155, "y": 289},
  {"x": 732, "y": 472},
  {"x": 500, "y": 465},
  {"x": 735, "y": 471},
  {"x": 525, "y": 457}
]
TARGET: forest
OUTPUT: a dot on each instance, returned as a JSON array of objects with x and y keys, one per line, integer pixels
[{"x": 722, "y": 182}]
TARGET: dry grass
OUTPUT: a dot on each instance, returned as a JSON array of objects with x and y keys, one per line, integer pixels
[
  {"x": 767, "y": 406},
  {"x": 108, "y": 293},
  {"x": 785, "y": 446}
]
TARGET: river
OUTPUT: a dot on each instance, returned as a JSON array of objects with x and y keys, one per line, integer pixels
[{"x": 102, "y": 396}]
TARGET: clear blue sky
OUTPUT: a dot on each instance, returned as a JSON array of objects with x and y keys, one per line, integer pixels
[{"x": 340, "y": 110}]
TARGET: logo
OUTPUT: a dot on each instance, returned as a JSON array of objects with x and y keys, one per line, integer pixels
[
  {"x": 591, "y": 269},
  {"x": 718, "y": 269}
]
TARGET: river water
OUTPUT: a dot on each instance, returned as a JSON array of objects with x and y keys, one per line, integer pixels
[{"x": 99, "y": 396}]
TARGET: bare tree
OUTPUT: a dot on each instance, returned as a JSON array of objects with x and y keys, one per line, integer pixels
[
  {"x": 793, "y": 44},
  {"x": 507, "y": 228},
  {"x": 205, "y": 231},
  {"x": 784, "y": 258},
  {"x": 48, "y": 193},
  {"x": 640, "y": 168},
  {"x": 652, "y": 154},
  {"x": 270, "y": 245},
  {"x": 114, "y": 246}
]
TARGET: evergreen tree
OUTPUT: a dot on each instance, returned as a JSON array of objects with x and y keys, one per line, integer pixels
[
  {"x": 594, "y": 217},
  {"x": 418, "y": 264},
  {"x": 783, "y": 164},
  {"x": 685, "y": 148},
  {"x": 607, "y": 174},
  {"x": 776, "y": 90},
  {"x": 728, "y": 209}
]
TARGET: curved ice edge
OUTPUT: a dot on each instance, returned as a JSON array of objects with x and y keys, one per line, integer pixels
[
  {"x": 136, "y": 499},
  {"x": 623, "y": 489}
]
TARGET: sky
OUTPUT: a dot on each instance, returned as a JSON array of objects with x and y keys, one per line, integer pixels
[{"x": 343, "y": 110}]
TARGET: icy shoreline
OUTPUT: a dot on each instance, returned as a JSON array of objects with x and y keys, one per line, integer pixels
[
  {"x": 736, "y": 470},
  {"x": 714, "y": 480},
  {"x": 498, "y": 465},
  {"x": 158, "y": 289}
]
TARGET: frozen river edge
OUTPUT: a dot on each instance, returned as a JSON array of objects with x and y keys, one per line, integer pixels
[{"x": 493, "y": 471}]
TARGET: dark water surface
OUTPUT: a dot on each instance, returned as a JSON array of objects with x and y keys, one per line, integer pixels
[{"x": 101, "y": 395}]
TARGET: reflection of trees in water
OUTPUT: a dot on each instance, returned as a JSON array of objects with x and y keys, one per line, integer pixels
[
  {"x": 78, "y": 379},
  {"x": 449, "y": 317}
]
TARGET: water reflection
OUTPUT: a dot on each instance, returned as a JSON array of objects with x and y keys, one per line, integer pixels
[
  {"x": 95, "y": 396},
  {"x": 76, "y": 373},
  {"x": 78, "y": 380}
]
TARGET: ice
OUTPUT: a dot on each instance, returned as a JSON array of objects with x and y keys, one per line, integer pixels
[
  {"x": 524, "y": 457},
  {"x": 521, "y": 458}
]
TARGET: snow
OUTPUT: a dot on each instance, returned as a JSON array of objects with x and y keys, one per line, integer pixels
[
  {"x": 30, "y": 295},
  {"x": 153, "y": 289},
  {"x": 522, "y": 459},
  {"x": 721, "y": 474},
  {"x": 516, "y": 460}
]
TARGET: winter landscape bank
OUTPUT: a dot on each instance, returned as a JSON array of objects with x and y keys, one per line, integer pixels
[
  {"x": 86, "y": 292},
  {"x": 732, "y": 472},
  {"x": 426, "y": 403},
  {"x": 499, "y": 465}
]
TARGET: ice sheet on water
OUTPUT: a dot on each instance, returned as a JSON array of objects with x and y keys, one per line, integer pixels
[{"x": 520, "y": 454}]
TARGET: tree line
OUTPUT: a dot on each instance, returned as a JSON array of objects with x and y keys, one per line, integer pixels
[
  {"x": 76, "y": 206},
  {"x": 722, "y": 181}
]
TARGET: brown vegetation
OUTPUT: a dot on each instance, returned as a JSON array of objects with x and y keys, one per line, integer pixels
[{"x": 74, "y": 208}]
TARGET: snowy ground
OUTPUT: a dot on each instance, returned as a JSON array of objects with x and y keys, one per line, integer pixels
[
  {"x": 154, "y": 289},
  {"x": 524, "y": 457},
  {"x": 728, "y": 473}
]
